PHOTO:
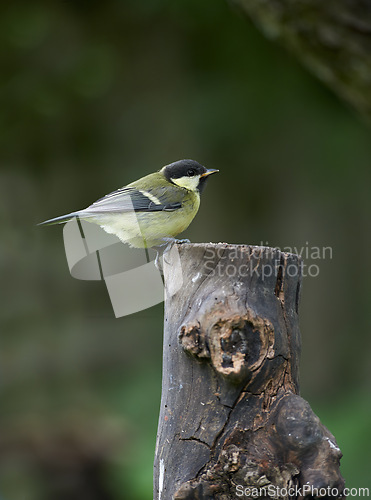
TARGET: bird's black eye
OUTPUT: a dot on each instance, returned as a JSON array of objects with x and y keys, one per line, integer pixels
[{"x": 191, "y": 172}]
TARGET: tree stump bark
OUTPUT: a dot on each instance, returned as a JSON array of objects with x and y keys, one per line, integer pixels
[{"x": 232, "y": 422}]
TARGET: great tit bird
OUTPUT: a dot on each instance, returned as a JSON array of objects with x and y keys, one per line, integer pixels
[{"x": 151, "y": 211}]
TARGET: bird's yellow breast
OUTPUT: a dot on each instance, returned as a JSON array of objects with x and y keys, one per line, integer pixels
[
  {"x": 156, "y": 226},
  {"x": 148, "y": 229}
]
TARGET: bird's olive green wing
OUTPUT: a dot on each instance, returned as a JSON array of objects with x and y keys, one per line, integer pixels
[
  {"x": 129, "y": 198},
  {"x": 150, "y": 194}
]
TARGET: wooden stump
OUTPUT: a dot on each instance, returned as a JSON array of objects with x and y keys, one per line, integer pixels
[{"x": 231, "y": 417}]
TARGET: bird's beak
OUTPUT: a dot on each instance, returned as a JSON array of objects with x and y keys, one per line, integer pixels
[{"x": 208, "y": 172}]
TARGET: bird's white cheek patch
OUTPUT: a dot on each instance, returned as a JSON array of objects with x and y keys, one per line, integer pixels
[{"x": 190, "y": 183}]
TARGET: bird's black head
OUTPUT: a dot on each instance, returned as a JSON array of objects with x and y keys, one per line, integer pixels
[{"x": 188, "y": 174}]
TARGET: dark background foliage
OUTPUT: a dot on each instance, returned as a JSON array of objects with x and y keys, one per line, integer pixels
[{"x": 97, "y": 94}]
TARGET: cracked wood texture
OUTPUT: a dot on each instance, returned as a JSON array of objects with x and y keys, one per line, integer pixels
[
  {"x": 331, "y": 38},
  {"x": 231, "y": 415}
]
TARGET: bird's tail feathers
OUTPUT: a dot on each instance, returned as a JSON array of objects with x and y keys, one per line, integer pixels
[{"x": 59, "y": 220}]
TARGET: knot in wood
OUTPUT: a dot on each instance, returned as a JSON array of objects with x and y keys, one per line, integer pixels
[
  {"x": 194, "y": 341},
  {"x": 237, "y": 345}
]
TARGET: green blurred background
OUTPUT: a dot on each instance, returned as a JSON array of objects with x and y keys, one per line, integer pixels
[{"x": 93, "y": 96}]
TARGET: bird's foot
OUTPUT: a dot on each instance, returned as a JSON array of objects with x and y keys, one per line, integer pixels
[
  {"x": 169, "y": 245},
  {"x": 180, "y": 242},
  {"x": 171, "y": 241},
  {"x": 161, "y": 250}
]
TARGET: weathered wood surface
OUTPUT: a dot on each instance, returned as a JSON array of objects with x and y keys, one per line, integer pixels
[
  {"x": 230, "y": 411},
  {"x": 331, "y": 38}
]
